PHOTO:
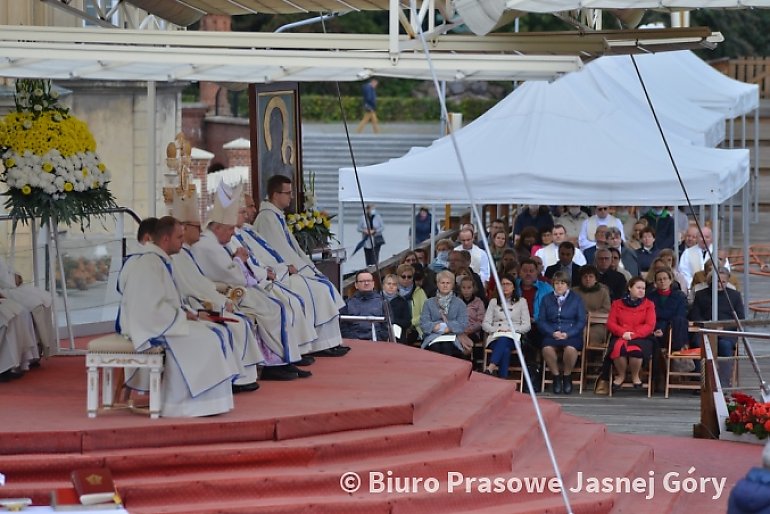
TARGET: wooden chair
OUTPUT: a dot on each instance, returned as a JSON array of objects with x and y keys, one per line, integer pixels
[
  {"x": 579, "y": 368},
  {"x": 515, "y": 372},
  {"x": 115, "y": 351},
  {"x": 592, "y": 356},
  {"x": 684, "y": 379}
]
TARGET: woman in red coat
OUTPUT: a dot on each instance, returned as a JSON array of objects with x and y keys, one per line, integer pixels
[{"x": 631, "y": 323}]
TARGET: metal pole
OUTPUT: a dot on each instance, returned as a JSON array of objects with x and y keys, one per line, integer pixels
[
  {"x": 65, "y": 298},
  {"x": 677, "y": 228},
  {"x": 341, "y": 222},
  {"x": 756, "y": 165},
  {"x": 745, "y": 210},
  {"x": 151, "y": 154},
  {"x": 52, "y": 280},
  {"x": 35, "y": 256},
  {"x": 432, "y": 232},
  {"x": 412, "y": 233},
  {"x": 715, "y": 256}
]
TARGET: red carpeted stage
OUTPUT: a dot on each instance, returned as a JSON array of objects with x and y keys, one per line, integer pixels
[{"x": 422, "y": 432}]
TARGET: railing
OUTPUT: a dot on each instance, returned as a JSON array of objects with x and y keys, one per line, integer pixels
[
  {"x": 753, "y": 70},
  {"x": 91, "y": 261}
]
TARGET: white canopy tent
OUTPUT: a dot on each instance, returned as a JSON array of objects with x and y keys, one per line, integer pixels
[{"x": 550, "y": 143}]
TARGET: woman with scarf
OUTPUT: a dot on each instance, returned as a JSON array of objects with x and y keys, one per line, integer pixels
[
  {"x": 670, "y": 311},
  {"x": 476, "y": 310},
  {"x": 414, "y": 296},
  {"x": 596, "y": 298},
  {"x": 631, "y": 323},
  {"x": 443, "y": 317},
  {"x": 501, "y": 334},
  {"x": 400, "y": 310},
  {"x": 561, "y": 322}
]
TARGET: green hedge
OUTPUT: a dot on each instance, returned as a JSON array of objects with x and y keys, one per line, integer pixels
[
  {"x": 389, "y": 108},
  {"x": 326, "y": 108}
]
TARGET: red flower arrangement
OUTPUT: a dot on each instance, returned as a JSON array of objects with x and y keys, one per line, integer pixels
[{"x": 748, "y": 416}]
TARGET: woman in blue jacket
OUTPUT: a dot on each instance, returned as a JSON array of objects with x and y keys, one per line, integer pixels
[{"x": 561, "y": 322}]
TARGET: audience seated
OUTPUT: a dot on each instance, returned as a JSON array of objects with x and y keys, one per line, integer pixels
[
  {"x": 628, "y": 258},
  {"x": 550, "y": 253},
  {"x": 441, "y": 262},
  {"x": 616, "y": 264},
  {"x": 525, "y": 243},
  {"x": 565, "y": 263},
  {"x": 670, "y": 311},
  {"x": 533, "y": 290},
  {"x": 662, "y": 222},
  {"x": 572, "y": 220},
  {"x": 544, "y": 238},
  {"x": 400, "y": 308},
  {"x": 693, "y": 259},
  {"x": 596, "y": 298},
  {"x": 631, "y": 323},
  {"x": 601, "y": 242},
  {"x": 561, "y": 322},
  {"x": 498, "y": 244},
  {"x": 614, "y": 281},
  {"x": 443, "y": 315},
  {"x": 728, "y": 300},
  {"x": 587, "y": 237},
  {"x": 635, "y": 240},
  {"x": 364, "y": 302},
  {"x": 536, "y": 216},
  {"x": 648, "y": 251},
  {"x": 500, "y": 334},
  {"x": 462, "y": 259},
  {"x": 415, "y": 297},
  {"x": 475, "y": 308},
  {"x": 479, "y": 259},
  {"x": 666, "y": 257}
]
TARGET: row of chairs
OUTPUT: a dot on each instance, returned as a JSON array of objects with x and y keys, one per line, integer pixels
[{"x": 590, "y": 361}]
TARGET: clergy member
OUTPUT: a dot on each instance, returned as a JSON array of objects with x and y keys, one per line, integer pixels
[
  {"x": 280, "y": 314},
  {"x": 271, "y": 225},
  {"x": 200, "y": 293},
  {"x": 199, "y": 365},
  {"x": 318, "y": 294}
]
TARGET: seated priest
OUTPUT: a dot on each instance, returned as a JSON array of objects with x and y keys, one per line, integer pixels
[
  {"x": 322, "y": 303},
  {"x": 33, "y": 299},
  {"x": 18, "y": 343},
  {"x": 199, "y": 365},
  {"x": 271, "y": 225},
  {"x": 279, "y": 312},
  {"x": 201, "y": 294}
]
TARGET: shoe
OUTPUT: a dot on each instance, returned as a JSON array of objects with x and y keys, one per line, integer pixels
[
  {"x": 566, "y": 384},
  {"x": 556, "y": 385},
  {"x": 280, "y": 373},
  {"x": 490, "y": 372},
  {"x": 11, "y": 374},
  {"x": 245, "y": 388},
  {"x": 301, "y": 373},
  {"x": 337, "y": 351},
  {"x": 638, "y": 385},
  {"x": 306, "y": 360},
  {"x": 616, "y": 387}
]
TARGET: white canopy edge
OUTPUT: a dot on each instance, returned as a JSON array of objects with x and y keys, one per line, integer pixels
[
  {"x": 551, "y": 6},
  {"x": 74, "y": 55}
]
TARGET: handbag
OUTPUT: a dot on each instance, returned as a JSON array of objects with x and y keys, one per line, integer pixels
[
  {"x": 602, "y": 387},
  {"x": 379, "y": 240}
]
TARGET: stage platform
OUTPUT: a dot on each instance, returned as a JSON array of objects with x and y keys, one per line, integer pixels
[{"x": 421, "y": 431}]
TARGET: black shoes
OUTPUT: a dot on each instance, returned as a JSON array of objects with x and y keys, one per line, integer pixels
[
  {"x": 566, "y": 384},
  {"x": 245, "y": 388},
  {"x": 556, "y": 387},
  {"x": 11, "y": 374},
  {"x": 337, "y": 351},
  {"x": 279, "y": 373},
  {"x": 301, "y": 373},
  {"x": 306, "y": 360}
]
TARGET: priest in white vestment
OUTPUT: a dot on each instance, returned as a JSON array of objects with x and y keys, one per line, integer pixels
[
  {"x": 319, "y": 295},
  {"x": 199, "y": 364},
  {"x": 694, "y": 258},
  {"x": 18, "y": 343},
  {"x": 201, "y": 294},
  {"x": 271, "y": 225},
  {"x": 36, "y": 300}
]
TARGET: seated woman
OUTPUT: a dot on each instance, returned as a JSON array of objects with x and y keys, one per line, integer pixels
[
  {"x": 496, "y": 325},
  {"x": 561, "y": 322},
  {"x": 635, "y": 241},
  {"x": 441, "y": 262},
  {"x": 648, "y": 251},
  {"x": 504, "y": 267},
  {"x": 527, "y": 240},
  {"x": 631, "y": 323},
  {"x": 666, "y": 255},
  {"x": 414, "y": 296},
  {"x": 400, "y": 309},
  {"x": 498, "y": 244},
  {"x": 443, "y": 315},
  {"x": 544, "y": 238},
  {"x": 475, "y": 308},
  {"x": 596, "y": 298},
  {"x": 670, "y": 311}
]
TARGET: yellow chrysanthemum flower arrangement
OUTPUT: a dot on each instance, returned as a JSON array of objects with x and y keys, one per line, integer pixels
[
  {"x": 311, "y": 228},
  {"x": 51, "y": 167}
]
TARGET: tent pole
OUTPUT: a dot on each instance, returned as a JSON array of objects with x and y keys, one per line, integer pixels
[
  {"x": 756, "y": 165},
  {"x": 677, "y": 228},
  {"x": 715, "y": 256},
  {"x": 341, "y": 222},
  {"x": 745, "y": 212},
  {"x": 432, "y": 232},
  {"x": 412, "y": 233},
  {"x": 152, "y": 172}
]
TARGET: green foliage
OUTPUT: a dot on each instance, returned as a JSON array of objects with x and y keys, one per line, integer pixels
[{"x": 326, "y": 108}]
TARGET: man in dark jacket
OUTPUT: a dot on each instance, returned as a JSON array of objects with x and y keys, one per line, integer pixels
[
  {"x": 365, "y": 302},
  {"x": 614, "y": 280},
  {"x": 727, "y": 300},
  {"x": 659, "y": 219}
]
